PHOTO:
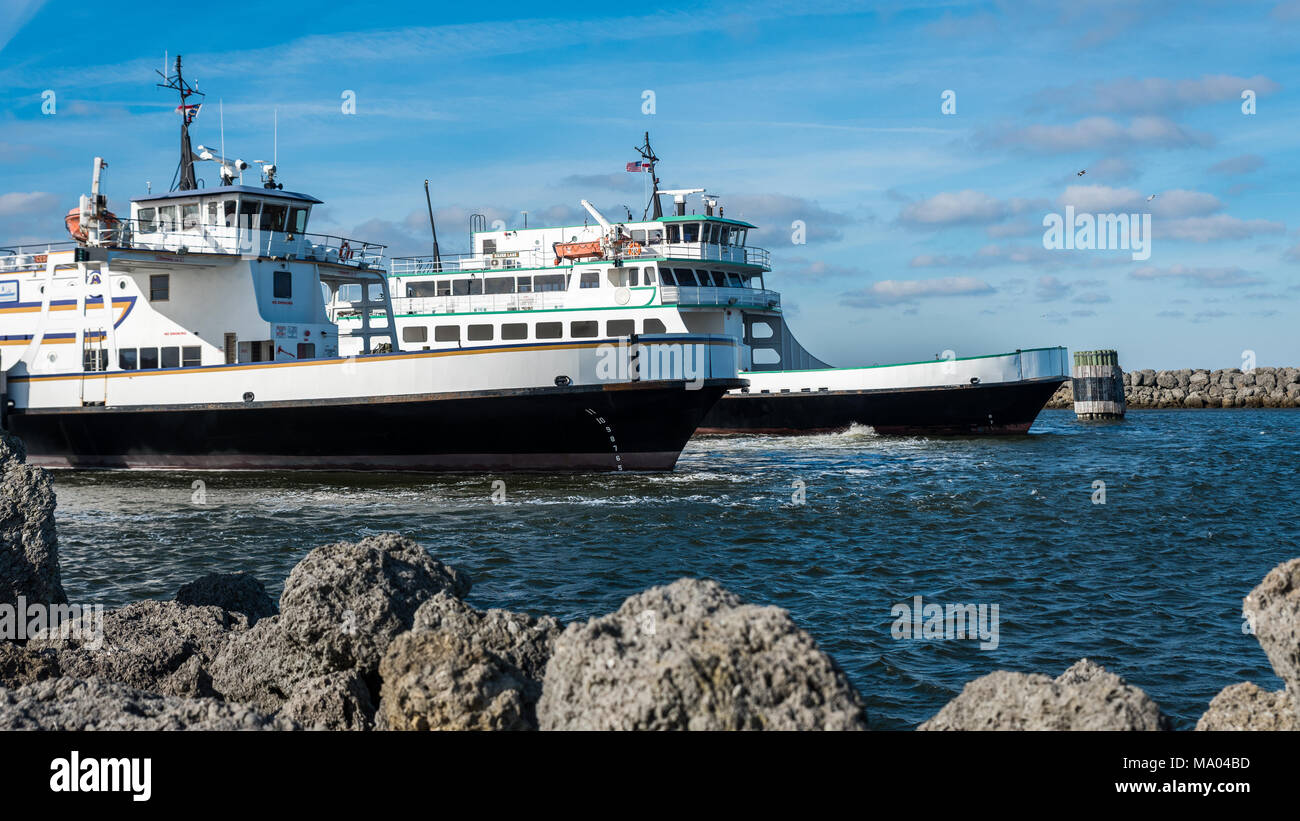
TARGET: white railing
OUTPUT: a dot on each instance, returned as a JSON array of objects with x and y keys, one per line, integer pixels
[
  {"x": 692, "y": 295},
  {"x": 250, "y": 242},
  {"x": 24, "y": 257},
  {"x": 452, "y": 263},
  {"x": 479, "y": 303},
  {"x": 545, "y": 258},
  {"x": 709, "y": 252}
]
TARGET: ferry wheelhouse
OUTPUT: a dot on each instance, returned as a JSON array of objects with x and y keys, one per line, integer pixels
[
  {"x": 197, "y": 332},
  {"x": 694, "y": 273}
]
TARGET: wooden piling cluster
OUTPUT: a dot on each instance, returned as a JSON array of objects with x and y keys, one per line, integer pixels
[{"x": 1098, "y": 385}]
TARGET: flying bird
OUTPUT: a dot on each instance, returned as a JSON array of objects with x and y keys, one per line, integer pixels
[
  {"x": 1153, "y": 196},
  {"x": 1081, "y": 173}
]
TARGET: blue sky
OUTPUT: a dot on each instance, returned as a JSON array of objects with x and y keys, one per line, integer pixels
[{"x": 924, "y": 229}]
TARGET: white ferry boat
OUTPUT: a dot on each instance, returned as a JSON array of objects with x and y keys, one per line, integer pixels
[
  {"x": 695, "y": 273},
  {"x": 195, "y": 333}
]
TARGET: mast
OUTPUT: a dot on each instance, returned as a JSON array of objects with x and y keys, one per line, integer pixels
[
  {"x": 648, "y": 156},
  {"x": 184, "y": 179},
  {"x": 437, "y": 260}
]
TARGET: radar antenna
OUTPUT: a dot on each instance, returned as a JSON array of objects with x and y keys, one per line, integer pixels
[{"x": 648, "y": 157}]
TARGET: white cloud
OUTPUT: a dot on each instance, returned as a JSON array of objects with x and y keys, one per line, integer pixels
[
  {"x": 954, "y": 208},
  {"x": 1204, "y": 277},
  {"x": 1214, "y": 228},
  {"x": 1092, "y": 133},
  {"x": 1244, "y": 164},
  {"x": 896, "y": 291},
  {"x": 1154, "y": 95},
  {"x": 24, "y": 204}
]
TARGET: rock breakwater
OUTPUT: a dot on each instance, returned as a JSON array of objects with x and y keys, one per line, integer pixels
[{"x": 1198, "y": 388}]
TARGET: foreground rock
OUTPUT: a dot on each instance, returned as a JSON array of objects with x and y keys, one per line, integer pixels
[
  {"x": 441, "y": 680},
  {"x": 1084, "y": 697},
  {"x": 1273, "y": 610},
  {"x": 465, "y": 669},
  {"x": 692, "y": 656},
  {"x": 1248, "y": 707},
  {"x": 77, "y": 704},
  {"x": 165, "y": 647},
  {"x": 29, "y": 556},
  {"x": 21, "y": 665},
  {"x": 342, "y": 606},
  {"x": 335, "y": 701},
  {"x": 237, "y": 592}
]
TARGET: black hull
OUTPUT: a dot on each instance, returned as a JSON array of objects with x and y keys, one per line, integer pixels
[
  {"x": 640, "y": 426},
  {"x": 1005, "y": 408}
]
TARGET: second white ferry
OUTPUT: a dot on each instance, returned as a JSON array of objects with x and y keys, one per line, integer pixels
[{"x": 695, "y": 273}]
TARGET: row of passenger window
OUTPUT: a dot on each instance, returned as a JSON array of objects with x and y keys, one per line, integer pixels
[
  {"x": 474, "y": 286},
  {"x": 706, "y": 279},
  {"x": 513, "y": 331},
  {"x": 131, "y": 359}
]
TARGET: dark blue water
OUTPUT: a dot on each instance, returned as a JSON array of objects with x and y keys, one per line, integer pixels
[{"x": 1199, "y": 506}]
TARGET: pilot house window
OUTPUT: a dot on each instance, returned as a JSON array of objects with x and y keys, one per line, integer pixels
[
  {"x": 159, "y": 287},
  {"x": 283, "y": 286}
]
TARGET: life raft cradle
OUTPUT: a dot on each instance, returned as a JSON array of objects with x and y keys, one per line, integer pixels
[{"x": 590, "y": 250}]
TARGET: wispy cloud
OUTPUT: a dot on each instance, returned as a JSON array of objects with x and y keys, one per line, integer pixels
[
  {"x": 898, "y": 291},
  {"x": 1222, "y": 277},
  {"x": 1100, "y": 133}
]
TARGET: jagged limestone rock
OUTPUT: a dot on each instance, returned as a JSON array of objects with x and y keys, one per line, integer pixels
[
  {"x": 1084, "y": 697},
  {"x": 691, "y": 655},
  {"x": 95, "y": 704},
  {"x": 236, "y": 592},
  {"x": 29, "y": 545},
  {"x": 1246, "y": 706}
]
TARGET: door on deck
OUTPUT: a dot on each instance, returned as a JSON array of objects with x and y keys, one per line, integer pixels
[{"x": 94, "y": 368}]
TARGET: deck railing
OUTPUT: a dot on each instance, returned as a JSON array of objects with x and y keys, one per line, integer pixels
[
  {"x": 253, "y": 242},
  {"x": 211, "y": 239},
  {"x": 692, "y": 295}
]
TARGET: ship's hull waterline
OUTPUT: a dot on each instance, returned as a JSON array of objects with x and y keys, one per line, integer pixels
[
  {"x": 620, "y": 427},
  {"x": 949, "y": 410}
]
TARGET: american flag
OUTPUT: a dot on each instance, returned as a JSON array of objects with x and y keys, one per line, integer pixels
[{"x": 638, "y": 166}]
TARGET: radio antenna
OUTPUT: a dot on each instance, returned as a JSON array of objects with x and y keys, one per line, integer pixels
[{"x": 176, "y": 82}]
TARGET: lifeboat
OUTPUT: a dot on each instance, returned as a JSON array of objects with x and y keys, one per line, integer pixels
[
  {"x": 73, "y": 222},
  {"x": 577, "y": 250}
]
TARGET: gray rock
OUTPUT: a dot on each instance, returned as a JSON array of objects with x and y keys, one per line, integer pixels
[
  {"x": 488, "y": 677},
  {"x": 79, "y": 704},
  {"x": 21, "y": 665},
  {"x": 522, "y": 640},
  {"x": 236, "y": 592},
  {"x": 1247, "y": 707},
  {"x": 442, "y": 680},
  {"x": 29, "y": 546},
  {"x": 1273, "y": 609},
  {"x": 345, "y": 602},
  {"x": 264, "y": 666},
  {"x": 1166, "y": 380},
  {"x": 164, "y": 647},
  {"x": 1084, "y": 697},
  {"x": 334, "y": 701},
  {"x": 691, "y": 655},
  {"x": 342, "y": 606}
]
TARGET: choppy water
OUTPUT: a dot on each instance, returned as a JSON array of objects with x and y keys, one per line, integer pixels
[{"x": 1199, "y": 506}]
